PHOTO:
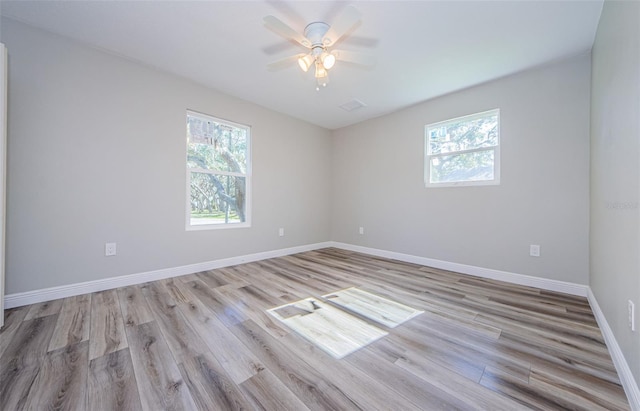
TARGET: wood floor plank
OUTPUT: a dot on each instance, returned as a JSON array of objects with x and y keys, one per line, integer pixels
[
  {"x": 492, "y": 287},
  {"x": 502, "y": 316},
  {"x": 238, "y": 361},
  {"x": 273, "y": 285},
  {"x": 266, "y": 392},
  {"x": 564, "y": 389},
  {"x": 111, "y": 384},
  {"x": 73, "y": 322},
  {"x": 228, "y": 314},
  {"x": 160, "y": 383},
  {"x": 374, "y": 307},
  {"x": 473, "y": 394},
  {"x": 12, "y": 320},
  {"x": 294, "y": 278},
  {"x": 174, "y": 289},
  {"x": 533, "y": 347},
  {"x": 316, "y": 391},
  {"x": 229, "y": 277},
  {"x": 181, "y": 338},
  {"x": 523, "y": 351},
  {"x": 135, "y": 310},
  {"x": 367, "y": 392},
  {"x": 211, "y": 278},
  {"x": 255, "y": 297},
  {"x": 61, "y": 381},
  {"x": 210, "y": 385},
  {"x": 107, "y": 325},
  {"x": 451, "y": 356},
  {"x": 535, "y": 396},
  {"x": 465, "y": 348},
  {"x": 44, "y": 309},
  {"x": 234, "y": 275},
  {"x": 253, "y": 304},
  {"x": 21, "y": 360},
  {"x": 586, "y": 382},
  {"x": 423, "y": 301},
  {"x": 419, "y": 392}
]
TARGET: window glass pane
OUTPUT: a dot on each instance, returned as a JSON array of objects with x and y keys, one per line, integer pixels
[
  {"x": 217, "y": 199},
  {"x": 474, "y": 166},
  {"x": 213, "y": 145},
  {"x": 464, "y": 134}
]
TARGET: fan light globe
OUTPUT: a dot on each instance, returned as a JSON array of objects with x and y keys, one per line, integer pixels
[
  {"x": 321, "y": 72},
  {"x": 328, "y": 60},
  {"x": 305, "y": 62}
]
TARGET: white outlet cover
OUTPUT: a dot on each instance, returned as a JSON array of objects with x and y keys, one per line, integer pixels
[
  {"x": 534, "y": 250},
  {"x": 109, "y": 249}
]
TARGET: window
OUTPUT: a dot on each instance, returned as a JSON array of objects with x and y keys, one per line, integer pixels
[
  {"x": 218, "y": 173},
  {"x": 463, "y": 151}
]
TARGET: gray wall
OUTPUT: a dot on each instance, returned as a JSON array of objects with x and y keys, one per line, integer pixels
[
  {"x": 542, "y": 199},
  {"x": 96, "y": 153},
  {"x": 615, "y": 172}
]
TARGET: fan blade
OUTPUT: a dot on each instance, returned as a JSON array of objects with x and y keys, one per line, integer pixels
[
  {"x": 277, "y": 26},
  {"x": 355, "y": 57},
  {"x": 346, "y": 21},
  {"x": 280, "y": 47},
  {"x": 284, "y": 63},
  {"x": 285, "y": 9}
]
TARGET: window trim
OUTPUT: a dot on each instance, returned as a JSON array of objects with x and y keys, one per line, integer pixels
[
  {"x": 467, "y": 183},
  {"x": 247, "y": 176}
]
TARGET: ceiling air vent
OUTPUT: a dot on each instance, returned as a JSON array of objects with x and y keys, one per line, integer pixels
[{"x": 352, "y": 105}]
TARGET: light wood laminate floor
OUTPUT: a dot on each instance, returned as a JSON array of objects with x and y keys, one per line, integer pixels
[{"x": 205, "y": 341}]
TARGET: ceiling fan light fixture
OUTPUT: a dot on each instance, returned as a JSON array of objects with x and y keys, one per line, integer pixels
[
  {"x": 328, "y": 60},
  {"x": 305, "y": 62},
  {"x": 321, "y": 72},
  {"x": 318, "y": 37}
]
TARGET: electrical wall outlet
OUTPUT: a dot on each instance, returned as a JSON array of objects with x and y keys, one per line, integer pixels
[
  {"x": 281, "y": 232},
  {"x": 110, "y": 249},
  {"x": 631, "y": 307},
  {"x": 361, "y": 230},
  {"x": 534, "y": 250}
]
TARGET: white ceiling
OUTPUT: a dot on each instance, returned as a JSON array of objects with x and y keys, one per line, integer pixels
[{"x": 423, "y": 49}]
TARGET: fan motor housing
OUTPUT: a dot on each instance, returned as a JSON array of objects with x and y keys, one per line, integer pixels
[{"x": 314, "y": 32}]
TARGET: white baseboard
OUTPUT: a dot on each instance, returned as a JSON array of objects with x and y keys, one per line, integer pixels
[
  {"x": 622, "y": 367},
  {"x": 53, "y": 293},
  {"x": 521, "y": 279}
]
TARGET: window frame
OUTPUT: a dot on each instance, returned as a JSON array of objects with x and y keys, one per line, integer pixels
[
  {"x": 246, "y": 175},
  {"x": 466, "y": 183}
]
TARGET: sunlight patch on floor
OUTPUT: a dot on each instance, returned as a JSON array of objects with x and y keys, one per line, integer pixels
[
  {"x": 336, "y": 331},
  {"x": 373, "y": 307},
  {"x": 329, "y": 328}
]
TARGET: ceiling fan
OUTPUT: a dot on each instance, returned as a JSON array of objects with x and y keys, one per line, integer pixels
[{"x": 319, "y": 37}]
